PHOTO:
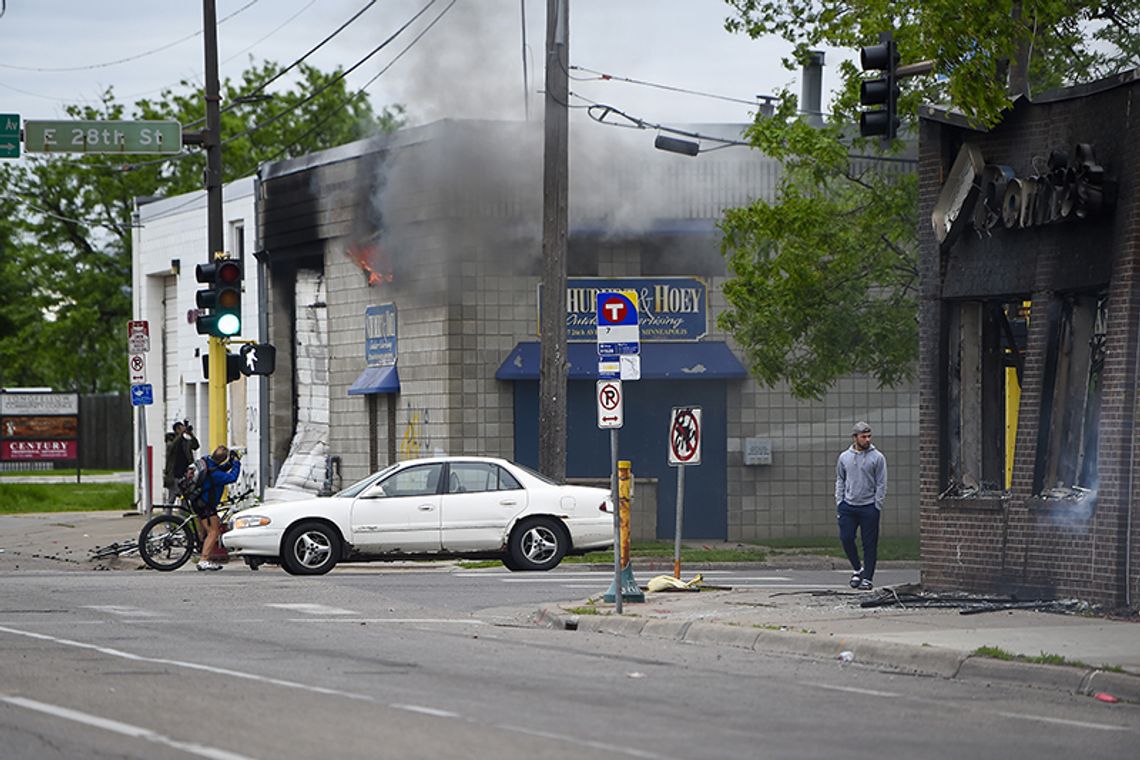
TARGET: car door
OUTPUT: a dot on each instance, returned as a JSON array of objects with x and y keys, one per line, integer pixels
[
  {"x": 400, "y": 513},
  {"x": 481, "y": 500}
]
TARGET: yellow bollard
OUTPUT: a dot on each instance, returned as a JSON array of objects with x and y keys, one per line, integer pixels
[
  {"x": 625, "y": 489},
  {"x": 630, "y": 591}
]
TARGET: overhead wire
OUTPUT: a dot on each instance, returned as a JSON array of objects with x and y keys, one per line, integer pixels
[
  {"x": 602, "y": 76},
  {"x": 128, "y": 59},
  {"x": 296, "y": 62},
  {"x": 365, "y": 86}
]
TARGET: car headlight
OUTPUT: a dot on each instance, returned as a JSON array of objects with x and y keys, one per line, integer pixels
[{"x": 251, "y": 521}]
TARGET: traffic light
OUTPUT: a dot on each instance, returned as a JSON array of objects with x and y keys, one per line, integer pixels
[
  {"x": 884, "y": 91},
  {"x": 221, "y": 296},
  {"x": 233, "y": 367}
]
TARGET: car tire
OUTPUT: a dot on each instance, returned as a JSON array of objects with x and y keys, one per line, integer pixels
[
  {"x": 538, "y": 543},
  {"x": 310, "y": 548}
]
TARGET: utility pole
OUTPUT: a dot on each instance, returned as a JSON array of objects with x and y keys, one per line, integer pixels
[
  {"x": 212, "y": 141},
  {"x": 554, "y": 363}
]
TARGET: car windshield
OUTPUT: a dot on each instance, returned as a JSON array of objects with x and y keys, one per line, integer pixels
[
  {"x": 536, "y": 474},
  {"x": 360, "y": 485}
]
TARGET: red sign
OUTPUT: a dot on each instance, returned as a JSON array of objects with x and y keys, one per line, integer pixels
[
  {"x": 613, "y": 311},
  {"x": 23, "y": 451}
]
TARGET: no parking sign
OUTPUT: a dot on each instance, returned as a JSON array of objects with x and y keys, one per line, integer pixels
[{"x": 685, "y": 436}]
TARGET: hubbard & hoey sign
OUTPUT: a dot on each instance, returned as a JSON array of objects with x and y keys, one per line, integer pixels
[{"x": 669, "y": 308}]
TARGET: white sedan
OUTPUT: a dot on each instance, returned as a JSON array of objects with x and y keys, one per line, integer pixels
[{"x": 469, "y": 507}]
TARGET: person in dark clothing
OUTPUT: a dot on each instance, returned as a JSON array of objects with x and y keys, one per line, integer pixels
[
  {"x": 180, "y": 455},
  {"x": 222, "y": 468},
  {"x": 860, "y": 488}
]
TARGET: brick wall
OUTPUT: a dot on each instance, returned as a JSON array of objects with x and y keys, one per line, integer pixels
[{"x": 1019, "y": 541}]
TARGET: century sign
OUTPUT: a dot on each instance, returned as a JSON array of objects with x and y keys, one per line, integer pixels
[{"x": 102, "y": 136}]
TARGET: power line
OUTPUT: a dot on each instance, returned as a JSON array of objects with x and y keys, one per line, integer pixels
[
  {"x": 366, "y": 85},
  {"x": 261, "y": 87},
  {"x": 128, "y": 58},
  {"x": 602, "y": 76},
  {"x": 239, "y": 53},
  {"x": 339, "y": 76}
]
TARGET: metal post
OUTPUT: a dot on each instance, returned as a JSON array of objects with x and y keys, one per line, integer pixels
[
  {"x": 147, "y": 463},
  {"x": 215, "y": 239},
  {"x": 617, "y": 517},
  {"x": 680, "y": 521}
]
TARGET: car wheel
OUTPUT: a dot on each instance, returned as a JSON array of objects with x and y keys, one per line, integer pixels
[
  {"x": 311, "y": 548},
  {"x": 539, "y": 543}
]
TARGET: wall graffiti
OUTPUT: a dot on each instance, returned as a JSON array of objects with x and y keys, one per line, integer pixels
[{"x": 416, "y": 441}]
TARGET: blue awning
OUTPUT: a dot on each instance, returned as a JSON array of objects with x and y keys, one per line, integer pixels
[
  {"x": 376, "y": 380},
  {"x": 704, "y": 360}
]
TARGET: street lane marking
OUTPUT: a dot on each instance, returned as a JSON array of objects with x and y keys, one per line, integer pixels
[
  {"x": 1066, "y": 722},
  {"x": 126, "y": 729},
  {"x": 853, "y": 690},
  {"x": 306, "y": 687},
  {"x": 123, "y": 610},
  {"x": 427, "y": 711},
  {"x": 466, "y": 621},
  {"x": 314, "y": 609}
]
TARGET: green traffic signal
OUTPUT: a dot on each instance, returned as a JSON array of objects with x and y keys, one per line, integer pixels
[{"x": 221, "y": 297}]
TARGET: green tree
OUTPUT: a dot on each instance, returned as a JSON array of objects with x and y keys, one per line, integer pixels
[
  {"x": 65, "y": 249},
  {"x": 824, "y": 275}
]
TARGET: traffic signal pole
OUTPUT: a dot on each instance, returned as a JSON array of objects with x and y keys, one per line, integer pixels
[{"x": 212, "y": 142}]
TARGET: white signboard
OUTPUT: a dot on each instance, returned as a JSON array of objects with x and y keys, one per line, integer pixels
[
  {"x": 685, "y": 436},
  {"x": 138, "y": 336},
  {"x": 13, "y": 404},
  {"x": 610, "y": 404}
]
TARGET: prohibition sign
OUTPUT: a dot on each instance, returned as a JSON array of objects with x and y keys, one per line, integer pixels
[
  {"x": 685, "y": 436},
  {"x": 610, "y": 412}
]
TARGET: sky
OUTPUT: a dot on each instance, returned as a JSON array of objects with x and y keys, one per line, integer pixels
[{"x": 469, "y": 64}]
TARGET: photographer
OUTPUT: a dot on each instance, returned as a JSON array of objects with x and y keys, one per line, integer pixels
[
  {"x": 180, "y": 448},
  {"x": 222, "y": 468}
]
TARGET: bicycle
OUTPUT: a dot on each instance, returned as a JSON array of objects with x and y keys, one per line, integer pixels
[{"x": 169, "y": 540}]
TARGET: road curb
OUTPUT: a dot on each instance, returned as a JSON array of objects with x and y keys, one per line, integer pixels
[{"x": 915, "y": 660}]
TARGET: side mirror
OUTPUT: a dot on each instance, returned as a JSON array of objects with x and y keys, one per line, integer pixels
[{"x": 374, "y": 492}]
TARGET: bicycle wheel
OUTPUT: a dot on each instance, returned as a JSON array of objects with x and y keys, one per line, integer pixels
[{"x": 165, "y": 542}]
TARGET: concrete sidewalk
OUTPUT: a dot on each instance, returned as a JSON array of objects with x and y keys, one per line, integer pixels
[
  {"x": 830, "y": 623},
  {"x": 826, "y": 622}
]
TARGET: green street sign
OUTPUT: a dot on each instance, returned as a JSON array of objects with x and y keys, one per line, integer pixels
[
  {"x": 9, "y": 135},
  {"x": 102, "y": 136}
]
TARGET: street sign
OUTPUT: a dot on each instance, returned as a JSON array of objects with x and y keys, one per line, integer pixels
[
  {"x": 102, "y": 137},
  {"x": 10, "y": 135},
  {"x": 630, "y": 366},
  {"x": 142, "y": 395},
  {"x": 610, "y": 408},
  {"x": 685, "y": 436},
  {"x": 137, "y": 365},
  {"x": 138, "y": 336},
  {"x": 618, "y": 331}
]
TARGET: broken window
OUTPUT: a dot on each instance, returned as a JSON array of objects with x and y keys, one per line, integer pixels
[
  {"x": 1071, "y": 397},
  {"x": 984, "y": 343}
]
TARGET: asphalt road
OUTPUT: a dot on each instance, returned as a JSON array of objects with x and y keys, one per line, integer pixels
[{"x": 373, "y": 662}]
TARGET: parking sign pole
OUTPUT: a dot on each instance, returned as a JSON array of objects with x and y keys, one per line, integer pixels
[
  {"x": 680, "y": 521},
  {"x": 617, "y": 517}
]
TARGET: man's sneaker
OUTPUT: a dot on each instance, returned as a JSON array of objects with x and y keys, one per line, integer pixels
[
  {"x": 208, "y": 565},
  {"x": 856, "y": 579},
  {"x": 865, "y": 585}
]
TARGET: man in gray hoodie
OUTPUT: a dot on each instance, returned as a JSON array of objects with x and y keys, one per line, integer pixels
[{"x": 860, "y": 487}]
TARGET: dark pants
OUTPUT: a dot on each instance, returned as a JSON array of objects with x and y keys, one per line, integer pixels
[{"x": 865, "y": 519}]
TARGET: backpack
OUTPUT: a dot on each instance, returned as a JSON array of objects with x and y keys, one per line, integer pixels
[{"x": 194, "y": 482}]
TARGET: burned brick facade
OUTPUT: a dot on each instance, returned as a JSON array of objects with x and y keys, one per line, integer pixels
[{"x": 1030, "y": 325}]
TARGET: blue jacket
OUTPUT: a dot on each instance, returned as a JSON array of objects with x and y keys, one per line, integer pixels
[{"x": 217, "y": 479}]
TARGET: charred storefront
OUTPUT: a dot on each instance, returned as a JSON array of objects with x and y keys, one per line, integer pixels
[
  {"x": 1030, "y": 322},
  {"x": 402, "y": 281}
]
